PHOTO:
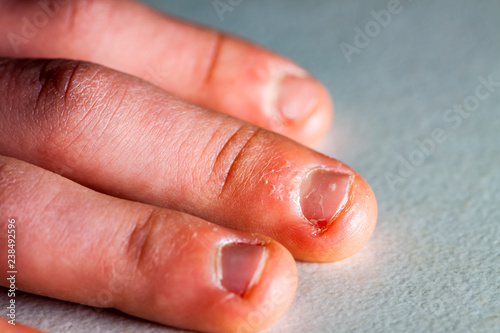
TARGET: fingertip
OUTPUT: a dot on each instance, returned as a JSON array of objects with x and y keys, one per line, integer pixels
[
  {"x": 275, "y": 171},
  {"x": 268, "y": 296},
  {"x": 319, "y": 208},
  {"x": 338, "y": 213},
  {"x": 349, "y": 230},
  {"x": 272, "y": 295},
  {"x": 221, "y": 280}
]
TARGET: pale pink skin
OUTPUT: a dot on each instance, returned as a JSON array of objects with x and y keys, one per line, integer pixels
[
  {"x": 79, "y": 245},
  {"x": 203, "y": 66},
  {"x": 131, "y": 140}
]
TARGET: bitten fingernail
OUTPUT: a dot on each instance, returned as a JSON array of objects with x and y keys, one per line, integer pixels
[
  {"x": 240, "y": 265},
  {"x": 323, "y": 194}
]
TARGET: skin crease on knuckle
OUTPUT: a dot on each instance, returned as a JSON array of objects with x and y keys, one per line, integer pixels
[{"x": 42, "y": 112}]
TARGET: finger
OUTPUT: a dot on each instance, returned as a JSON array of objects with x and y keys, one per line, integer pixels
[
  {"x": 124, "y": 137},
  {"x": 198, "y": 64},
  {"x": 7, "y": 327},
  {"x": 79, "y": 245}
]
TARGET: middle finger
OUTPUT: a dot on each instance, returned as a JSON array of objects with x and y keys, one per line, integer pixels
[{"x": 120, "y": 135}]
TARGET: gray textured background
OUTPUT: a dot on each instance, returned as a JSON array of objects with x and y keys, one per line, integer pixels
[{"x": 433, "y": 264}]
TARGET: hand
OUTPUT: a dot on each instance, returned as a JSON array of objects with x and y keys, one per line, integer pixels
[{"x": 114, "y": 182}]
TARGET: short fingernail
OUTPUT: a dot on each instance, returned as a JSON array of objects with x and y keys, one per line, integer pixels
[
  {"x": 323, "y": 194},
  {"x": 297, "y": 98},
  {"x": 240, "y": 266}
]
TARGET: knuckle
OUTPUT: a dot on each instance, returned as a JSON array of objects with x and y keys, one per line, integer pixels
[
  {"x": 18, "y": 184},
  {"x": 9, "y": 196},
  {"x": 81, "y": 15},
  {"x": 213, "y": 63},
  {"x": 52, "y": 84},
  {"x": 229, "y": 167},
  {"x": 140, "y": 241},
  {"x": 55, "y": 93},
  {"x": 11, "y": 182},
  {"x": 6, "y": 181},
  {"x": 52, "y": 90},
  {"x": 71, "y": 99},
  {"x": 154, "y": 243},
  {"x": 53, "y": 102}
]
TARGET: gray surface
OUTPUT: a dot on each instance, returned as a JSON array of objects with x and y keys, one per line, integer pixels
[{"x": 433, "y": 264}]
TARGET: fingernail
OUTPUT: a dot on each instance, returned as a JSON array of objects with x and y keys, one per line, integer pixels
[
  {"x": 241, "y": 265},
  {"x": 297, "y": 98},
  {"x": 323, "y": 194}
]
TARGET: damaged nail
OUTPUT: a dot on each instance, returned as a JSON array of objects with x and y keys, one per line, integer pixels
[
  {"x": 323, "y": 194},
  {"x": 240, "y": 266}
]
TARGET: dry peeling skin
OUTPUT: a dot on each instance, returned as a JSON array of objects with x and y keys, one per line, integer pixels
[{"x": 276, "y": 189}]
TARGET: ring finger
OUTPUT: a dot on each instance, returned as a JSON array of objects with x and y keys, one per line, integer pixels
[
  {"x": 201, "y": 65},
  {"x": 82, "y": 246}
]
